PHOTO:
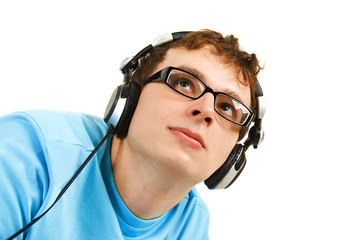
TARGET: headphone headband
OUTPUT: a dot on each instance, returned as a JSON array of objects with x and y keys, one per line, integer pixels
[{"x": 129, "y": 65}]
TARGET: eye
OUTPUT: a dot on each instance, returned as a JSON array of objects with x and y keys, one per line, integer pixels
[
  {"x": 226, "y": 109},
  {"x": 183, "y": 84}
]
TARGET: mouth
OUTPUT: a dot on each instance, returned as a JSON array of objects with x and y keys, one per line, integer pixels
[{"x": 190, "y": 138}]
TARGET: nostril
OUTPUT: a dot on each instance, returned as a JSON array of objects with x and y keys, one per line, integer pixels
[
  {"x": 206, "y": 119},
  {"x": 195, "y": 112}
]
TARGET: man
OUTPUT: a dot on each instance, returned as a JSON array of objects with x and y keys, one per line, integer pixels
[{"x": 140, "y": 183}]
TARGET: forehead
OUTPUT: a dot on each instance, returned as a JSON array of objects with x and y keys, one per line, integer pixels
[{"x": 210, "y": 68}]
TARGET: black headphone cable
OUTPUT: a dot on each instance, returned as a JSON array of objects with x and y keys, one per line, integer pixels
[{"x": 109, "y": 132}]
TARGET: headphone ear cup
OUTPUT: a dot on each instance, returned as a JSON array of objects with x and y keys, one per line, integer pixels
[
  {"x": 130, "y": 106},
  {"x": 121, "y": 107},
  {"x": 229, "y": 171}
]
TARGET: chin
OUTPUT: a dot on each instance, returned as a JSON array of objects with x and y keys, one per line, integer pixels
[{"x": 182, "y": 166}]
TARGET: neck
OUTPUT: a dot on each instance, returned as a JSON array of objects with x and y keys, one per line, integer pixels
[{"x": 146, "y": 189}]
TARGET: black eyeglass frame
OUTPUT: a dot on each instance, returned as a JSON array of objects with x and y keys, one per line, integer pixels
[{"x": 163, "y": 76}]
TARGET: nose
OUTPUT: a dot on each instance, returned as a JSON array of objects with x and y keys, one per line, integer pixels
[{"x": 203, "y": 109}]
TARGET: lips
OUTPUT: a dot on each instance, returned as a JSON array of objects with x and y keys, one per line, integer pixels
[{"x": 187, "y": 136}]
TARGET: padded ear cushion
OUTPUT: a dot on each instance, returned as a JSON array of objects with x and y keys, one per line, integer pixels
[
  {"x": 229, "y": 171},
  {"x": 131, "y": 91},
  {"x": 121, "y": 107}
]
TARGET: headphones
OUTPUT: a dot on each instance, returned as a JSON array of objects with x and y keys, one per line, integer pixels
[{"x": 124, "y": 99}]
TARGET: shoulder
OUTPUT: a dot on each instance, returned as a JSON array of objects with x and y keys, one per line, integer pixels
[
  {"x": 74, "y": 128},
  {"x": 57, "y": 141},
  {"x": 47, "y": 141},
  {"x": 39, "y": 152}
]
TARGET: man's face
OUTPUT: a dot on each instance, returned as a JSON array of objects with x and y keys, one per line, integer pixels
[{"x": 184, "y": 138}]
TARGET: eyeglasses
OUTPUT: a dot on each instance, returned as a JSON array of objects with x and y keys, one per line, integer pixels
[{"x": 192, "y": 87}]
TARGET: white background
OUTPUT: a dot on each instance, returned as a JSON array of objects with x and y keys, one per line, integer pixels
[{"x": 305, "y": 180}]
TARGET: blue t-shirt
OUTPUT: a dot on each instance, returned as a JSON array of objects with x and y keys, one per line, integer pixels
[{"x": 40, "y": 151}]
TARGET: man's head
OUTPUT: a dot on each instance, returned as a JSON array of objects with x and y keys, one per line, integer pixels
[
  {"x": 226, "y": 49},
  {"x": 182, "y": 137}
]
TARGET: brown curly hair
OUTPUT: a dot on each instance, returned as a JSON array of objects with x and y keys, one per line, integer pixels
[{"x": 225, "y": 47}]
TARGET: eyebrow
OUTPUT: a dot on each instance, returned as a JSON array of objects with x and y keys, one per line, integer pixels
[
  {"x": 202, "y": 77},
  {"x": 192, "y": 70}
]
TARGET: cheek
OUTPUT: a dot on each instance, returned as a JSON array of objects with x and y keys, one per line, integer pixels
[
  {"x": 152, "y": 112},
  {"x": 224, "y": 146},
  {"x": 142, "y": 117},
  {"x": 155, "y": 97}
]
